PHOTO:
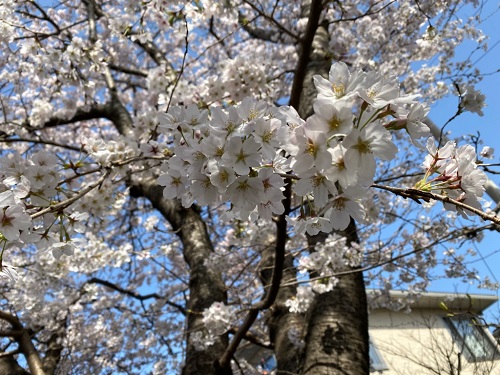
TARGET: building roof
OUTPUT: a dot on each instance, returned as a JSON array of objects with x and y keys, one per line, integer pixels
[{"x": 475, "y": 303}]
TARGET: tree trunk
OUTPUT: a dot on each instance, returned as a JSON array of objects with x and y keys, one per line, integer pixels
[
  {"x": 205, "y": 285},
  {"x": 9, "y": 366},
  {"x": 336, "y": 341},
  {"x": 53, "y": 354},
  {"x": 337, "y": 338},
  {"x": 280, "y": 321},
  {"x": 337, "y": 332}
]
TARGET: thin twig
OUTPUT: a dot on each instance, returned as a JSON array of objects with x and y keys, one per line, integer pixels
[{"x": 416, "y": 195}]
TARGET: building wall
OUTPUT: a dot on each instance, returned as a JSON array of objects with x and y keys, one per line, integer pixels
[{"x": 421, "y": 342}]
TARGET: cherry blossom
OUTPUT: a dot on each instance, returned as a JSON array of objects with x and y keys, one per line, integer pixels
[
  {"x": 362, "y": 146},
  {"x": 8, "y": 272},
  {"x": 218, "y": 318},
  {"x": 302, "y": 301},
  {"x": 471, "y": 100},
  {"x": 487, "y": 152},
  {"x": 174, "y": 182},
  {"x": 241, "y": 155},
  {"x": 161, "y": 184},
  {"x": 13, "y": 218},
  {"x": 341, "y": 82}
]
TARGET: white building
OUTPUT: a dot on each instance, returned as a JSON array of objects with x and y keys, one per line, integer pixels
[{"x": 440, "y": 335}]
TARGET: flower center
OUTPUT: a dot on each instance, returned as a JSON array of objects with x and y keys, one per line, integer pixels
[
  {"x": 334, "y": 123},
  {"x": 363, "y": 147},
  {"x": 311, "y": 148},
  {"x": 338, "y": 90}
]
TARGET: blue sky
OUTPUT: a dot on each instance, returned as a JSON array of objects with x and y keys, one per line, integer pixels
[{"x": 489, "y": 129}]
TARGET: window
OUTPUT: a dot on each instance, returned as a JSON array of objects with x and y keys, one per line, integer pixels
[
  {"x": 471, "y": 339},
  {"x": 376, "y": 361},
  {"x": 267, "y": 364}
]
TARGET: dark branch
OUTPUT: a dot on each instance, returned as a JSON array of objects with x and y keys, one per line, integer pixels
[
  {"x": 306, "y": 48},
  {"x": 135, "y": 295},
  {"x": 418, "y": 195}
]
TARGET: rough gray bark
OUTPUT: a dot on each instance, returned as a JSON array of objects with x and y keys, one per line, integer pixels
[
  {"x": 22, "y": 336},
  {"x": 279, "y": 320},
  {"x": 205, "y": 285},
  {"x": 52, "y": 355},
  {"x": 336, "y": 340},
  {"x": 28, "y": 349},
  {"x": 9, "y": 366},
  {"x": 337, "y": 332}
]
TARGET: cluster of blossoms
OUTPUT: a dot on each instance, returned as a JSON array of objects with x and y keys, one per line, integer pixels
[
  {"x": 328, "y": 257},
  {"x": 37, "y": 182},
  {"x": 456, "y": 174},
  {"x": 243, "y": 153},
  {"x": 26, "y": 186},
  {"x": 218, "y": 318},
  {"x": 107, "y": 152},
  {"x": 241, "y": 78},
  {"x": 302, "y": 300},
  {"x": 471, "y": 100}
]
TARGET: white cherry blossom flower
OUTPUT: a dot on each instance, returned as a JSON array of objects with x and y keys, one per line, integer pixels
[
  {"x": 44, "y": 159},
  {"x": 62, "y": 248},
  {"x": 40, "y": 177},
  {"x": 472, "y": 181},
  {"x": 270, "y": 134},
  {"x": 338, "y": 171},
  {"x": 487, "y": 152},
  {"x": 379, "y": 92},
  {"x": 310, "y": 225},
  {"x": 77, "y": 221},
  {"x": 331, "y": 117},
  {"x": 171, "y": 120},
  {"x": 312, "y": 152},
  {"x": 212, "y": 147},
  {"x": 152, "y": 148},
  {"x": 301, "y": 302},
  {"x": 318, "y": 184},
  {"x": 241, "y": 155},
  {"x": 218, "y": 318},
  {"x": 342, "y": 208},
  {"x": 196, "y": 160},
  {"x": 472, "y": 100},
  {"x": 175, "y": 183},
  {"x": 363, "y": 146},
  {"x": 225, "y": 124},
  {"x": 437, "y": 158},
  {"x": 8, "y": 272},
  {"x": 271, "y": 199},
  {"x": 13, "y": 219},
  {"x": 415, "y": 125},
  {"x": 195, "y": 118},
  {"x": 220, "y": 176},
  {"x": 13, "y": 166},
  {"x": 291, "y": 117},
  {"x": 340, "y": 84},
  {"x": 204, "y": 192},
  {"x": 249, "y": 109},
  {"x": 22, "y": 189},
  {"x": 413, "y": 121},
  {"x": 187, "y": 199},
  {"x": 245, "y": 193},
  {"x": 7, "y": 198}
]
